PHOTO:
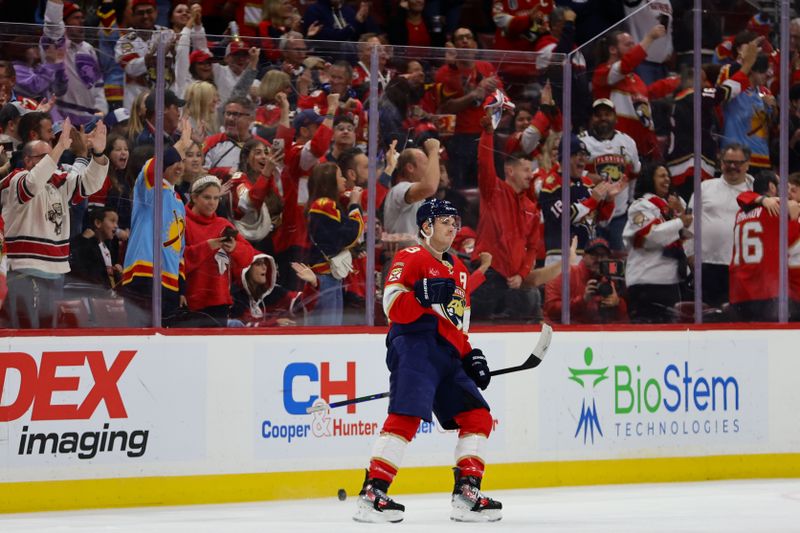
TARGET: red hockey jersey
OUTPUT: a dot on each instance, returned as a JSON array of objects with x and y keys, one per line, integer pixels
[
  {"x": 401, "y": 306},
  {"x": 754, "y": 265}
]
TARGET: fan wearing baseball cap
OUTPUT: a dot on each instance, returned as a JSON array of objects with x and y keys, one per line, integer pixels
[
  {"x": 612, "y": 156},
  {"x": 594, "y": 295},
  {"x": 172, "y": 115},
  {"x": 590, "y": 202}
]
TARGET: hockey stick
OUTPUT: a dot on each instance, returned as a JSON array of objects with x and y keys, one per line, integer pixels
[{"x": 533, "y": 360}]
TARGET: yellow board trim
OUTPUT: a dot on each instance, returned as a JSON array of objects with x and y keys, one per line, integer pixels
[{"x": 226, "y": 488}]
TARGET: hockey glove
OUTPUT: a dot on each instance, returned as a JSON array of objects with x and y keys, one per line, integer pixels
[
  {"x": 475, "y": 366},
  {"x": 431, "y": 291}
]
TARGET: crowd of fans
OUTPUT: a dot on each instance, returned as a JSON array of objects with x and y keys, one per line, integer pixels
[{"x": 265, "y": 166}]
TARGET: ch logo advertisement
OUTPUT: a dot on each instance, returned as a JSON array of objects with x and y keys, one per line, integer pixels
[
  {"x": 72, "y": 390},
  {"x": 304, "y": 384},
  {"x": 626, "y": 401}
]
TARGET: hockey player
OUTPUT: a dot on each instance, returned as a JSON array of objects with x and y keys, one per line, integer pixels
[
  {"x": 433, "y": 368},
  {"x": 753, "y": 290}
]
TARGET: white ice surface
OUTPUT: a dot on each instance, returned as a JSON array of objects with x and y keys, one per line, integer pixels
[{"x": 725, "y": 506}]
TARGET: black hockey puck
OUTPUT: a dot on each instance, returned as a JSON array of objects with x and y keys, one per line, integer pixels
[{"x": 342, "y": 495}]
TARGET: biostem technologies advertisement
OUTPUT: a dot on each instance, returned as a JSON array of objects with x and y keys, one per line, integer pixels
[{"x": 667, "y": 395}]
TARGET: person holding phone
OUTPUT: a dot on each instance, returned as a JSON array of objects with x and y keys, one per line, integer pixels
[
  {"x": 654, "y": 67},
  {"x": 213, "y": 248}
]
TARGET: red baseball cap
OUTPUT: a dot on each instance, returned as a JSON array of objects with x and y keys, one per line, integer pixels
[
  {"x": 236, "y": 47},
  {"x": 199, "y": 56}
]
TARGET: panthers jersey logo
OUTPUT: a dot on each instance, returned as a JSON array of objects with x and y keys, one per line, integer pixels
[{"x": 455, "y": 311}]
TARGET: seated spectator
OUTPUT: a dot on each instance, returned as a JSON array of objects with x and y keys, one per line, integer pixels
[
  {"x": 594, "y": 299},
  {"x": 94, "y": 254},
  {"x": 213, "y": 250},
  {"x": 657, "y": 226},
  {"x": 258, "y": 301},
  {"x": 332, "y": 229}
]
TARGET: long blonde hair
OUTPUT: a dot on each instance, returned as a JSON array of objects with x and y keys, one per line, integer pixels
[
  {"x": 200, "y": 97},
  {"x": 136, "y": 122},
  {"x": 273, "y": 82}
]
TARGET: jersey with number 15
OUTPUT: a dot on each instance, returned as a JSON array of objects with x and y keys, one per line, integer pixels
[
  {"x": 401, "y": 306},
  {"x": 754, "y": 265}
]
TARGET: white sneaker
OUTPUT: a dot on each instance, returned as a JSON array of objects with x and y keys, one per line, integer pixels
[
  {"x": 471, "y": 505},
  {"x": 374, "y": 506}
]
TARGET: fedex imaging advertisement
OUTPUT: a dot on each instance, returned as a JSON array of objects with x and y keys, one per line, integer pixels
[
  {"x": 665, "y": 394},
  {"x": 69, "y": 402},
  {"x": 290, "y": 381}
]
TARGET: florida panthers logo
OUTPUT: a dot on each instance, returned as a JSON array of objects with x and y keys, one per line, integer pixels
[{"x": 455, "y": 311}]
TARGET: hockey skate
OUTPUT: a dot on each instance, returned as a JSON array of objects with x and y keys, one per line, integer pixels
[
  {"x": 374, "y": 506},
  {"x": 471, "y": 505}
]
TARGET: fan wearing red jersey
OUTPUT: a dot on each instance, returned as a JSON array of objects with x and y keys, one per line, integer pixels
[
  {"x": 432, "y": 368},
  {"x": 754, "y": 265}
]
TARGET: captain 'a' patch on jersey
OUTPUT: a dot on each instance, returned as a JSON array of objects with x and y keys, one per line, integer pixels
[{"x": 414, "y": 263}]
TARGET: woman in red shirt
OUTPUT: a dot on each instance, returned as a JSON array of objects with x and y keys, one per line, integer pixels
[{"x": 213, "y": 248}]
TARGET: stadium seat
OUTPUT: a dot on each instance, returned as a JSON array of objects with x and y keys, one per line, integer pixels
[
  {"x": 108, "y": 312},
  {"x": 72, "y": 314}
]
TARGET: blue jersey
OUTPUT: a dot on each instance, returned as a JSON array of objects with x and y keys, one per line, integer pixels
[
  {"x": 747, "y": 120},
  {"x": 139, "y": 254}
]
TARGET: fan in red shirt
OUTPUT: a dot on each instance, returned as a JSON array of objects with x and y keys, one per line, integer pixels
[
  {"x": 508, "y": 229},
  {"x": 212, "y": 246},
  {"x": 465, "y": 84},
  {"x": 754, "y": 265}
]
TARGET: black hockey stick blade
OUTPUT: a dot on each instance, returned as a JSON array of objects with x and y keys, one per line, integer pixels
[
  {"x": 536, "y": 356},
  {"x": 533, "y": 360}
]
